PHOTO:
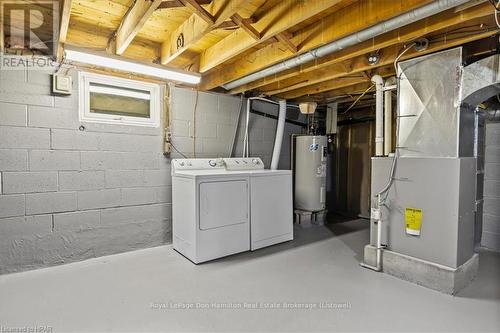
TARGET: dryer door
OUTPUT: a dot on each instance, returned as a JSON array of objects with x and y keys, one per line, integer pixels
[{"x": 223, "y": 203}]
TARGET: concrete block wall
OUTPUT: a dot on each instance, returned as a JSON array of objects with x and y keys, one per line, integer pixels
[
  {"x": 219, "y": 122},
  {"x": 213, "y": 125},
  {"x": 491, "y": 208},
  {"x": 68, "y": 194},
  {"x": 262, "y": 133}
]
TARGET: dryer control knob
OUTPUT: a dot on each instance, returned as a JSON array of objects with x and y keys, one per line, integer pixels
[
  {"x": 212, "y": 163},
  {"x": 255, "y": 161}
]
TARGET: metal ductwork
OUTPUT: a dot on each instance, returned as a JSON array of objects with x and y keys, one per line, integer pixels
[{"x": 361, "y": 36}]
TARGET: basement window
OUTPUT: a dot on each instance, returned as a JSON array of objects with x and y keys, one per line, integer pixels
[{"x": 112, "y": 100}]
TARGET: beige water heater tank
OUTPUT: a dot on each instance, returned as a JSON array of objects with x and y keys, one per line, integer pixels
[{"x": 310, "y": 172}]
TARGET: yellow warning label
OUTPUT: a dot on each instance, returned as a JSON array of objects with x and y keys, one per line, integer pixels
[{"x": 413, "y": 221}]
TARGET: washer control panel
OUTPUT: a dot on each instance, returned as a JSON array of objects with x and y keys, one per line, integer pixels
[
  {"x": 197, "y": 164},
  {"x": 247, "y": 163}
]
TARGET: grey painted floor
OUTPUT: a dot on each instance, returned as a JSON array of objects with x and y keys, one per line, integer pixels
[{"x": 125, "y": 292}]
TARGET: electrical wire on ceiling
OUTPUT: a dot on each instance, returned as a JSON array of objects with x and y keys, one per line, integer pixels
[
  {"x": 407, "y": 48},
  {"x": 357, "y": 100}
]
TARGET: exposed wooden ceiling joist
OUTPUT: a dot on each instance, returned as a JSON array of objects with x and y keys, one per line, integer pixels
[
  {"x": 468, "y": 5},
  {"x": 246, "y": 26},
  {"x": 133, "y": 21},
  {"x": 285, "y": 38},
  {"x": 166, "y": 4},
  {"x": 279, "y": 18},
  {"x": 199, "y": 10},
  {"x": 387, "y": 59},
  {"x": 322, "y": 66},
  {"x": 65, "y": 11},
  {"x": 338, "y": 83},
  {"x": 348, "y": 20},
  {"x": 359, "y": 65},
  {"x": 84, "y": 35},
  {"x": 195, "y": 28},
  {"x": 355, "y": 89}
]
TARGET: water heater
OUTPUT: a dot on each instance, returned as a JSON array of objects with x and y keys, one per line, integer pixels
[{"x": 310, "y": 172}]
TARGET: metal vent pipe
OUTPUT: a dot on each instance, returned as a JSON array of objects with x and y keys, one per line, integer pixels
[
  {"x": 394, "y": 23},
  {"x": 388, "y": 115},
  {"x": 379, "y": 115}
]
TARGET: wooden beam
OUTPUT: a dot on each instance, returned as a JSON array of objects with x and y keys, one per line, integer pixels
[
  {"x": 326, "y": 86},
  {"x": 195, "y": 28},
  {"x": 243, "y": 24},
  {"x": 284, "y": 38},
  {"x": 360, "y": 65},
  {"x": 281, "y": 17},
  {"x": 357, "y": 65},
  {"x": 170, "y": 4},
  {"x": 337, "y": 93},
  {"x": 199, "y": 10},
  {"x": 133, "y": 22},
  {"x": 367, "y": 75},
  {"x": 84, "y": 35},
  {"x": 336, "y": 83},
  {"x": 415, "y": 30},
  {"x": 166, "y": 4},
  {"x": 63, "y": 27},
  {"x": 227, "y": 25},
  {"x": 469, "y": 5}
]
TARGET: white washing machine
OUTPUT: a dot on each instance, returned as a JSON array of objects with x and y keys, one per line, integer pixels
[{"x": 226, "y": 206}]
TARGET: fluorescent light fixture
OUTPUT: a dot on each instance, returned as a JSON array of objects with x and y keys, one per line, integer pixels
[{"x": 134, "y": 67}]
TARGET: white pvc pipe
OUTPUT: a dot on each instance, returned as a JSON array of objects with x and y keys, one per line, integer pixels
[
  {"x": 379, "y": 115},
  {"x": 279, "y": 135},
  {"x": 245, "y": 138},
  {"x": 388, "y": 116}
]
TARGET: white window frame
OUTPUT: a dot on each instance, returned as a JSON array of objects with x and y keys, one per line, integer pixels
[{"x": 85, "y": 79}]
